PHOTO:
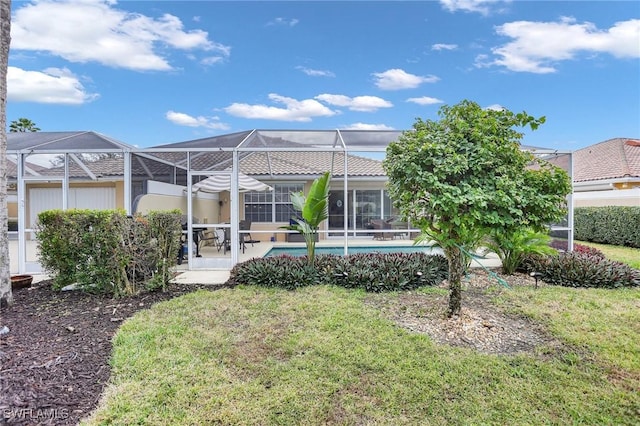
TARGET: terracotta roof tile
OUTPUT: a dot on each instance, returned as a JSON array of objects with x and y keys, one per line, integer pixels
[{"x": 614, "y": 158}]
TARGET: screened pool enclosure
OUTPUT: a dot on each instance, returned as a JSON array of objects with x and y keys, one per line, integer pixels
[{"x": 88, "y": 170}]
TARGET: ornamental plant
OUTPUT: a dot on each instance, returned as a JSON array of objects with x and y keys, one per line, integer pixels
[
  {"x": 461, "y": 176},
  {"x": 314, "y": 209}
]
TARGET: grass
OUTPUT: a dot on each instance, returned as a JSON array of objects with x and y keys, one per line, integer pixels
[
  {"x": 319, "y": 355},
  {"x": 628, "y": 255}
]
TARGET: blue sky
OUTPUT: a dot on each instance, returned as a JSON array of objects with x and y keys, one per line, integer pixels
[{"x": 155, "y": 72}]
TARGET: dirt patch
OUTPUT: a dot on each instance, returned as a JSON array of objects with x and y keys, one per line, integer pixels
[
  {"x": 481, "y": 325},
  {"x": 54, "y": 359}
]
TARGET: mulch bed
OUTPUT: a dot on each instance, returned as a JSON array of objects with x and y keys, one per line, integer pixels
[{"x": 54, "y": 360}]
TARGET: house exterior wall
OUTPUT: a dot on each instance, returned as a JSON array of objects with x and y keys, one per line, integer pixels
[
  {"x": 205, "y": 210},
  {"x": 622, "y": 197}
]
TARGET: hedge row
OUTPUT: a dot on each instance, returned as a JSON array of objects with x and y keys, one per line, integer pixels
[
  {"x": 373, "y": 272},
  {"x": 613, "y": 225},
  {"x": 106, "y": 251}
]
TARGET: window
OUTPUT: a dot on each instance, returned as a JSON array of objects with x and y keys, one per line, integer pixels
[{"x": 271, "y": 206}]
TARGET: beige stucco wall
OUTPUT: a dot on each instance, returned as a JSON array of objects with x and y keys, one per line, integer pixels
[
  {"x": 12, "y": 210},
  {"x": 607, "y": 202},
  {"x": 622, "y": 197},
  {"x": 205, "y": 210}
]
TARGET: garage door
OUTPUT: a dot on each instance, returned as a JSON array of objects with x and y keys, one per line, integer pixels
[{"x": 99, "y": 198}]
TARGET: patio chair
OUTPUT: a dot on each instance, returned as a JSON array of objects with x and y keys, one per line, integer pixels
[
  {"x": 216, "y": 236},
  {"x": 245, "y": 225},
  {"x": 379, "y": 227}
]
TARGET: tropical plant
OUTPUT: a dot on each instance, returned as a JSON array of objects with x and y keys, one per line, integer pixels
[
  {"x": 314, "y": 209},
  {"x": 6, "y": 296},
  {"x": 23, "y": 125},
  {"x": 465, "y": 174},
  {"x": 513, "y": 247}
]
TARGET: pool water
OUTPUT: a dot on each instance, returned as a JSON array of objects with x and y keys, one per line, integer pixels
[{"x": 302, "y": 251}]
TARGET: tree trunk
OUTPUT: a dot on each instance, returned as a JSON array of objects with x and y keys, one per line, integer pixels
[
  {"x": 6, "y": 297},
  {"x": 456, "y": 271}
]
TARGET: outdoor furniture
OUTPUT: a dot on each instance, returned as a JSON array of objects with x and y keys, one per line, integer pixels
[
  {"x": 216, "y": 237},
  {"x": 245, "y": 225},
  {"x": 379, "y": 229}
]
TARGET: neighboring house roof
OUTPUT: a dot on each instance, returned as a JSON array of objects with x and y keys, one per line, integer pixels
[
  {"x": 12, "y": 167},
  {"x": 611, "y": 159}
]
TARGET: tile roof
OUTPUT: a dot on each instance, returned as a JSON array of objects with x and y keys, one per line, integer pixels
[
  {"x": 277, "y": 164},
  {"x": 613, "y": 158},
  {"x": 309, "y": 163}
]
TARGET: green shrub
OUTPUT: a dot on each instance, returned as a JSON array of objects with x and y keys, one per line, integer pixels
[
  {"x": 373, "y": 272},
  {"x": 512, "y": 247},
  {"x": 583, "y": 270},
  {"x": 106, "y": 251},
  {"x": 561, "y": 245},
  {"x": 288, "y": 272},
  {"x": 614, "y": 225}
]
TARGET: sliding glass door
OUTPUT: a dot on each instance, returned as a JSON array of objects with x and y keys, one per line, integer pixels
[{"x": 363, "y": 206}]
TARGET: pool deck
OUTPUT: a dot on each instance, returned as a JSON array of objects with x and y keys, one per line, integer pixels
[{"x": 219, "y": 275}]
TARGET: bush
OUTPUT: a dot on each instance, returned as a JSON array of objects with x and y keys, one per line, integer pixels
[
  {"x": 561, "y": 245},
  {"x": 288, "y": 272},
  {"x": 105, "y": 251},
  {"x": 614, "y": 225},
  {"x": 373, "y": 272},
  {"x": 583, "y": 270}
]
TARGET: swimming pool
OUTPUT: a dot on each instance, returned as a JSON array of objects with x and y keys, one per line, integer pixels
[{"x": 302, "y": 251}]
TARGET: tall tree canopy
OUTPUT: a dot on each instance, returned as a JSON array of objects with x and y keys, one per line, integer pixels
[
  {"x": 23, "y": 125},
  {"x": 461, "y": 176}
]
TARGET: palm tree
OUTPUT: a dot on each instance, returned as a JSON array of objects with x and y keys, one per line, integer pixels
[
  {"x": 23, "y": 125},
  {"x": 6, "y": 297}
]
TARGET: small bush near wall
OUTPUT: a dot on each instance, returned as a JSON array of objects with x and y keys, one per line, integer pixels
[
  {"x": 583, "y": 270},
  {"x": 107, "y": 251},
  {"x": 374, "y": 272},
  {"x": 613, "y": 225}
]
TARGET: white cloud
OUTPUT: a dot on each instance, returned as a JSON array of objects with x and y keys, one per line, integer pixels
[
  {"x": 183, "y": 119},
  {"x": 495, "y": 107},
  {"x": 395, "y": 79},
  {"x": 359, "y": 103},
  {"x": 283, "y": 22},
  {"x": 425, "y": 100},
  {"x": 95, "y": 31},
  {"x": 50, "y": 86},
  {"x": 294, "y": 110},
  {"x": 443, "y": 46},
  {"x": 483, "y": 7},
  {"x": 315, "y": 73},
  {"x": 365, "y": 126},
  {"x": 538, "y": 46}
]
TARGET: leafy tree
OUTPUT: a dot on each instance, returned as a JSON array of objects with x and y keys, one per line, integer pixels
[
  {"x": 6, "y": 297},
  {"x": 314, "y": 209},
  {"x": 23, "y": 125},
  {"x": 461, "y": 176}
]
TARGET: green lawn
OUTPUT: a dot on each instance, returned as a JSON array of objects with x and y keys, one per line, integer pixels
[
  {"x": 319, "y": 355},
  {"x": 628, "y": 255}
]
